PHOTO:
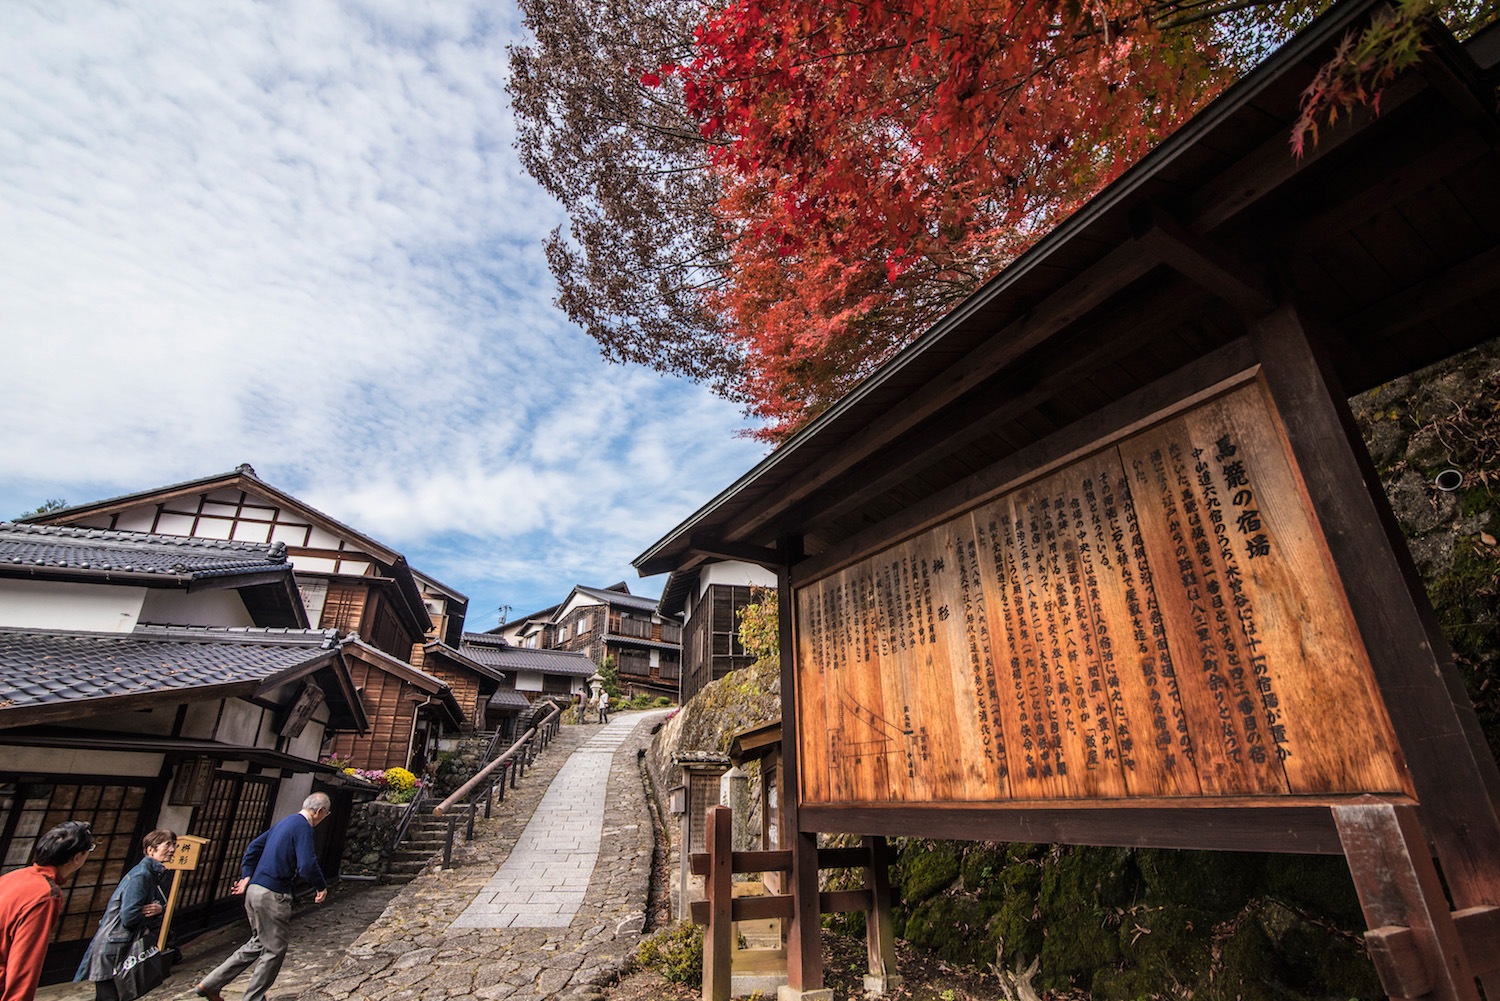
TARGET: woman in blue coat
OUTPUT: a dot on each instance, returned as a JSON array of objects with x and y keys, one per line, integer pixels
[{"x": 134, "y": 909}]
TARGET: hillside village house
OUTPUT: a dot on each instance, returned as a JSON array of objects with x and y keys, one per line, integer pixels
[
  {"x": 529, "y": 676},
  {"x": 151, "y": 681},
  {"x": 350, "y": 583},
  {"x": 609, "y": 622},
  {"x": 708, "y": 599}
]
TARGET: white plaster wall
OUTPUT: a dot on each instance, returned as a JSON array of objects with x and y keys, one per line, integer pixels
[
  {"x": 203, "y": 608},
  {"x": 46, "y": 604},
  {"x": 202, "y": 720},
  {"x": 528, "y": 681},
  {"x": 73, "y": 762},
  {"x": 291, "y": 793},
  {"x": 176, "y": 819},
  {"x": 736, "y": 573},
  {"x": 576, "y": 602},
  {"x": 239, "y": 723}
]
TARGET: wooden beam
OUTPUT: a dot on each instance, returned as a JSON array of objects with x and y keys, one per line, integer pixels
[
  {"x": 718, "y": 942},
  {"x": 706, "y": 545},
  {"x": 880, "y": 931},
  {"x": 1479, "y": 931},
  {"x": 804, "y": 932},
  {"x": 770, "y": 861},
  {"x": 1412, "y": 941},
  {"x": 1299, "y": 830},
  {"x": 1201, "y": 261},
  {"x": 1462, "y": 282}
]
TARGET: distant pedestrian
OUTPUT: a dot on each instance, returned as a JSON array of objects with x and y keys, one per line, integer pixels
[
  {"x": 271, "y": 863},
  {"x": 134, "y": 909},
  {"x": 603, "y": 706},
  {"x": 30, "y": 901}
]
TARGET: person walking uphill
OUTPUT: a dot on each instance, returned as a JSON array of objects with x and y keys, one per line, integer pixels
[
  {"x": 30, "y": 901},
  {"x": 271, "y": 863},
  {"x": 134, "y": 910}
]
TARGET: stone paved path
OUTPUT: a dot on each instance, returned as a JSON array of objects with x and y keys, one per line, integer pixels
[
  {"x": 545, "y": 878},
  {"x": 387, "y": 943},
  {"x": 418, "y": 950}
]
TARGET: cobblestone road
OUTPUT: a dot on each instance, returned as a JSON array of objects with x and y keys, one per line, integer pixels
[{"x": 386, "y": 943}]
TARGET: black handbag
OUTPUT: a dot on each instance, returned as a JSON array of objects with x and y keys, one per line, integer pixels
[{"x": 141, "y": 969}]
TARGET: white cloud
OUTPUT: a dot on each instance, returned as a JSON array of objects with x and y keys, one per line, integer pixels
[{"x": 295, "y": 234}]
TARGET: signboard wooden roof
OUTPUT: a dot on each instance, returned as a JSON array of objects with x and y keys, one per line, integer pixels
[{"x": 1104, "y": 531}]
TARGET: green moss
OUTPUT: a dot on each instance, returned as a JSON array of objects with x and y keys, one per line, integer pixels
[
  {"x": 1170, "y": 945},
  {"x": 1083, "y": 895},
  {"x": 981, "y": 869},
  {"x": 1246, "y": 956},
  {"x": 1213, "y": 881},
  {"x": 951, "y": 928},
  {"x": 928, "y": 869}
]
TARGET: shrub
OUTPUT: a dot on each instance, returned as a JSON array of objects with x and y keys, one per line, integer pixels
[
  {"x": 676, "y": 953},
  {"x": 400, "y": 795},
  {"x": 400, "y": 780},
  {"x": 661, "y": 702}
]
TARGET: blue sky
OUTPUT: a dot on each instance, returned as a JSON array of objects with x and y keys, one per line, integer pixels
[{"x": 295, "y": 234}]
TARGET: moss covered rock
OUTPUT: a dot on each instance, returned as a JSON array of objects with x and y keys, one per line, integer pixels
[{"x": 928, "y": 869}]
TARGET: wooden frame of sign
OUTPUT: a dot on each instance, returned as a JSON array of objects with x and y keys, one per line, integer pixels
[{"x": 1184, "y": 625}]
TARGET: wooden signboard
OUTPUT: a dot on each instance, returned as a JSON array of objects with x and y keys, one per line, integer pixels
[
  {"x": 194, "y": 780},
  {"x": 184, "y": 859},
  {"x": 1157, "y": 622}
]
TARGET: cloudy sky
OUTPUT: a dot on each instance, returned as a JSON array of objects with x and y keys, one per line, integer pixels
[{"x": 295, "y": 234}]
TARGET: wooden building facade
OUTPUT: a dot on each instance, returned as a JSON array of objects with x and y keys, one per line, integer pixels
[{"x": 708, "y": 600}]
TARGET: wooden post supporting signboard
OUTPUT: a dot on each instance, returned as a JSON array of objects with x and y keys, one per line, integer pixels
[
  {"x": 1412, "y": 939},
  {"x": 184, "y": 859}
]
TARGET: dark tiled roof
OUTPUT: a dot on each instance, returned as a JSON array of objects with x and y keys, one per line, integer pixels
[
  {"x": 620, "y": 598},
  {"x": 95, "y": 549},
  {"x": 484, "y": 639},
  {"x": 516, "y": 658},
  {"x": 50, "y": 667},
  {"x": 507, "y": 698}
]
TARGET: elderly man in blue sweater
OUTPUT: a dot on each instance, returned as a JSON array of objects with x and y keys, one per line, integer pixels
[{"x": 271, "y": 863}]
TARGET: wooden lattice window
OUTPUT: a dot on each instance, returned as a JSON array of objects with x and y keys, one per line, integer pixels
[{"x": 111, "y": 808}]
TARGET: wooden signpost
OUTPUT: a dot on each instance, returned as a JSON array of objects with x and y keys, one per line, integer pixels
[{"x": 184, "y": 859}]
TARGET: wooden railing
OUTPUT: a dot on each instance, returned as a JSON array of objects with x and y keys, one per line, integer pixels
[
  {"x": 513, "y": 763},
  {"x": 722, "y": 908}
]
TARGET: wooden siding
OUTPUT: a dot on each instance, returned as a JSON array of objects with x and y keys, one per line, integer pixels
[
  {"x": 710, "y": 644},
  {"x": 462, "y": 682},
  {"x": 390, "y": 704}
]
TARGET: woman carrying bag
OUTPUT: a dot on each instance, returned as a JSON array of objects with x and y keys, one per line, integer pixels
[{"x": 134, "y": 912}]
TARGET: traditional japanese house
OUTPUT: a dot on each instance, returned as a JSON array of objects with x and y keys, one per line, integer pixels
[
  {"x": 409, "y": 709},
  {"x": 611, "y": 623},
  {"x": 348, "y": 582},
  {"x": 150, "y": 681},
  {"x": 531, "y": 674},
  {"x": 471, "y": 682},
  {"x": 708, "y": 599}
]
